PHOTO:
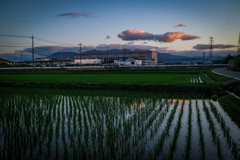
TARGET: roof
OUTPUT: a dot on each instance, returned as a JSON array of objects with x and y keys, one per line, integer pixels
[
  {"x": 43, "y": 58},
  {"x": 2, "y": 59}
]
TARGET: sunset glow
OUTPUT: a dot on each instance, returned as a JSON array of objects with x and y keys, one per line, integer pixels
[{"x": 175, "y": 27}]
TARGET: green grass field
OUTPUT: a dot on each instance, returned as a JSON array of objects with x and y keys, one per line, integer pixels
[{"x": 161, "y": 78}]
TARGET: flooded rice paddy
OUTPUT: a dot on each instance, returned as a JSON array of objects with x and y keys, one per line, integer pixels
[{"x": 56, "y": 126}]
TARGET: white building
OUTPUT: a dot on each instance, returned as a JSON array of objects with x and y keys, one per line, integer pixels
[
  {"x": 128, "y": 62},
  {"x": 87, "y": 61}
]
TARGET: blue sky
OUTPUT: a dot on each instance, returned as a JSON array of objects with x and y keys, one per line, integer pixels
[{"x": 132, "y": 24}]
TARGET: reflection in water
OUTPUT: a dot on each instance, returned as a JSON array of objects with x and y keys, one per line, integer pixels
[
  {"x": 138, "y": 104},
  {"x": 106, "y": 127},
  {"x": 179, "y": 101},
  {"x": 181, "y": 110}
]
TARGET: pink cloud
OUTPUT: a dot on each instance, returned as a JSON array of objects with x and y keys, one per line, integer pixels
[
  {"x": 180, "y": 25},
  {"x": 172, "y": 36},
  {"x": 130, "y": 35}
]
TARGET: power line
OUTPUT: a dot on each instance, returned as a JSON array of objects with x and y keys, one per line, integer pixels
[
  {"x": 53, "y": 41},
  {"x": 6, "y": 35},
  {"x": 230, "y": 26},
  {"x": 230, "y": 20},
  {"x": 2, "y": 45},
  {"x": 230, "y": 11},
  {"x": 211, "y": 48},
  {"x": 238, "y": 47}
]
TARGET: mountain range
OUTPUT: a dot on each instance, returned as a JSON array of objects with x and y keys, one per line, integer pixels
[{"x": 164, "y": 57}]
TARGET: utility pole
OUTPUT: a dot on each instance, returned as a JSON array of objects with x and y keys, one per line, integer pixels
[
  {"x": 80, "y": 50},
  {"x": 21, "y": 56},
  {"x": 211, "y": 48},
  {"x": 107, "y": 54},
  {"x": 238, "y": 47},
  {"x": 203, "y": 56},
  {"x": 62, "y": 57},
  {"x": 32, "y": 51}
]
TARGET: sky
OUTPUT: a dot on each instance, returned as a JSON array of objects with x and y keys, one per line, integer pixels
[{"x": 178, "y": 27}]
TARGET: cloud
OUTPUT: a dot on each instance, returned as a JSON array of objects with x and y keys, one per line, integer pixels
[
  {"x": 215, "y": 46},
  {"x": 107, "y": 37},
  {"x": 144, "y": 43},
  {"x": 180, "y": 25},
  {"x": 130, "y": 42},
  {"x": 76, "y": 14},
  {"x": 45, "y": 51},
  {"x": 199, "y": 53},
  {"x": 130, "y": 35}
]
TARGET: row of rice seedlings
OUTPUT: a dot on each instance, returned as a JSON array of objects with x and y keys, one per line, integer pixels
[
  {"x": 173, "y": 144},
  {"x": 225, "y": 129},
  {"x": 200, "y": 80},
  {"x": 162, "y": 137},
  {"x": 212, "y": 128},
  {"x": 128, "y": 125},
  {"x": 24, "y": 124},
  {"x": 152, "y": 130},
  {"x": 189, "y": 135},
  {"x": 196, "y": 80},
  {"x": 149, "y": 114},
  {"x": 201, "y": 135},
  {"x": 110, "y": 130}
]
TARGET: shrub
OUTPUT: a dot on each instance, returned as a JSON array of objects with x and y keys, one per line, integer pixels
[{"x": 214, "y": 97}]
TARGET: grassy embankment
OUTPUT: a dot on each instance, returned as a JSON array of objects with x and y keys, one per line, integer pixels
[{"x": 229, "y": 103}]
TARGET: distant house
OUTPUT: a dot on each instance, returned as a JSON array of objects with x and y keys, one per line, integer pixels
[{"x": 5, "y": 61}]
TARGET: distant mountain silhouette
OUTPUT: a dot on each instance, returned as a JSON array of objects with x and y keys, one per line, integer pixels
[
  {"x": 63, "y": 54},
  {"x": 109, "y": 51},
  {"x": 164, "y": 57}
]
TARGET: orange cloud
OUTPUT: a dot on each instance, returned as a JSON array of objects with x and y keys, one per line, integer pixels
[
  {"x": 130, "y": 35},
  {"x": 172, "y": 36},
  {"x": 180, "y": 25}
]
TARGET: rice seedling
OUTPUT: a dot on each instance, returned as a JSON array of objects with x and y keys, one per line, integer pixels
[
  {"x": 201, "y": 136},
  {"x": 173, "y": 145},
  {"x": 159, "y": 145},
  {"x": 189, "y": 135},
  {"x": 212, "y": 127},
  {"x": 225, "y": 129}
]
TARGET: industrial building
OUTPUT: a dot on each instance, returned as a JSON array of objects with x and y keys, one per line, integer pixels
[
  {"x": 110, "y": 57},
  {"x": 123, "y": 58}
]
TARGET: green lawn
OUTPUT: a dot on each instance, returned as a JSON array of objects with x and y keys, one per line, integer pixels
[{"x": 179, "y": 78}]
